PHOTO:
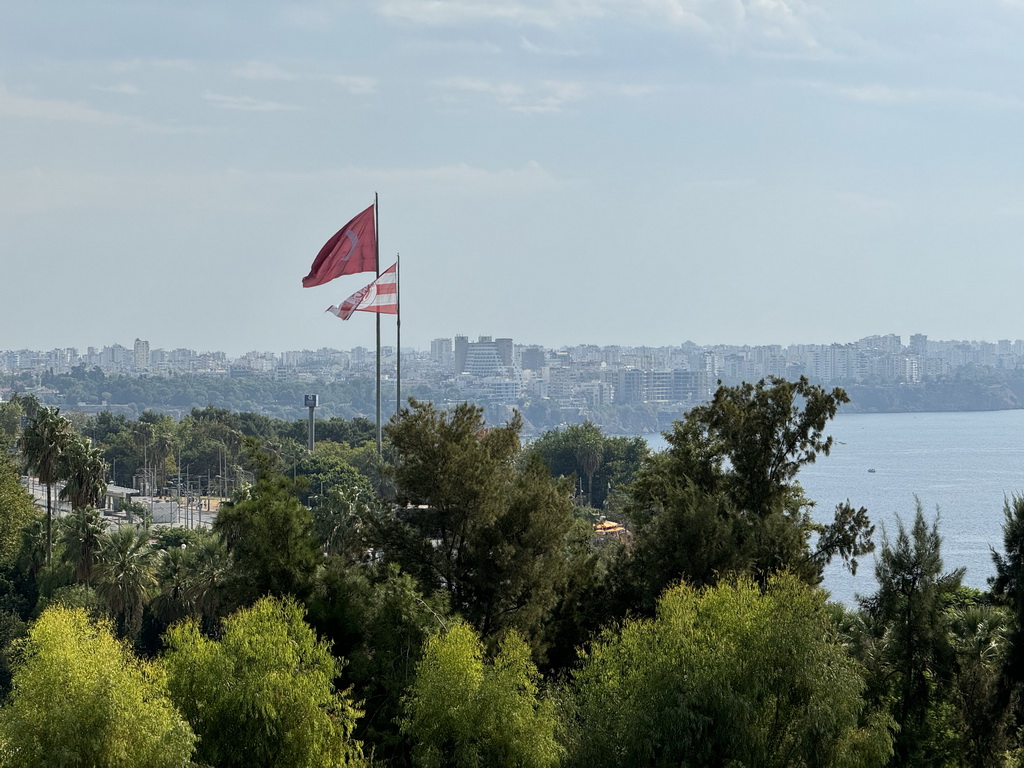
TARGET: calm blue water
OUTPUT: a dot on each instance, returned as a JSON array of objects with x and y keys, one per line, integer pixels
[{"x": 964, "y": 464}]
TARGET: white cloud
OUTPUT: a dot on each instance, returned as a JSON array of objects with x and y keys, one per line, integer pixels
[
  {"x": 456, "y": 12},
  {"x": 32, "y": 108},
  {"x": 881, "y": 94},
  {"x": 356, "y": 85},
  {"x": 465, "y": 180},
  {"x": 530, "y": 47},
  {"x": 555, "y": 93},
  {"x": 36, "y": 190},
  {"x": 434, "y": 47},
  {"x": 134, "y": 65},
  {"x": 261, "y": 70},
  {"x": 247, "y": 103},
  {"x": 266, "y": 71},
  {"x": 545, "y": 96},
  {"x": 540, "y": 97},
  {"x": 123, "y": 88},
  {"x": 884, "y": 94},
  {"x": 504, "y": 93},
  {"x": 637, "y": 90},
  {"x": 726, "y": 24}
]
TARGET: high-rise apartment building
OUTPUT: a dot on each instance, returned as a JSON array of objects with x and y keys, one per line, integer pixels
[
  {"x": 142, "y": 361},
  {"x": 441, "y": 351}
]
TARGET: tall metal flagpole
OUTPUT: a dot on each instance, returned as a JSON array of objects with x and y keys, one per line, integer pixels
[
  {"x": 398, "y": 336},
  {"x": 380, "y": 435}
]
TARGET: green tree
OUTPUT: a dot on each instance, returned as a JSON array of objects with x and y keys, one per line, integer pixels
[
  {"x": 586, "y": 600},
  {"x": 82, "y": 470},
  {"x": 751, "y": 440},
  {"x": 80, "y": 698},
  {"x": 329, "y": 468},
  {"x": 378, "y": 619},
  {"x": 589, "y": 454},
  {"x": 16, "y": 512},
  {"x": 463, "y": 711},
  {"x": 338, "y": 518},
  {"x": 174, "y": 578},
  {"x": 82, "y": 535},
  {"x": 159, "y": 434},
  {"x": 487, "y": 531},
  {"x": 125, "y": 576},
  {"x": 911, "y": 629},
  {"x": 727, "y": 484},
  {"x": 44, "y": 440},
  {"x": 209, "y": 564},
  {"x": 980, "y": 635},
  {"x": 728, "y": 675},
  {"x": 11, "y": 414},
  {"x": 269, "y": 534},
  {"x": 1008, "y": 587},
  {"x": 263, "y": 693},
  {"x": 582, "y": 450},
  {"x": 353, "y": 432}
]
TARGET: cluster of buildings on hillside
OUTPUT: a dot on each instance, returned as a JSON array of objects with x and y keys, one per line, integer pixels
[{"x": 498, "y": 370}]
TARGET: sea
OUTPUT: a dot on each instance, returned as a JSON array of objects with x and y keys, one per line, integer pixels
[{"x": 960, "y": 466}]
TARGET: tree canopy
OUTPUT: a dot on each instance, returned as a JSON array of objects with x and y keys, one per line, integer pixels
[
  {"x": 724, "y": 498},
  {"x": 476, "y": 524},
  {"x": 263, "y": 693},
  {"x": 464, "y": 711},
  {"x": 80, "y": 698},
  {"x": 727, "y": 675}
]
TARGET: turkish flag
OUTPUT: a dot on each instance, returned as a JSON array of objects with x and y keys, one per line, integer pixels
[{"x": 353, "y": 249}]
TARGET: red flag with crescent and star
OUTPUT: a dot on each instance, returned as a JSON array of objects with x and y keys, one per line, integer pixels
[{"x": 352, "y": 250}]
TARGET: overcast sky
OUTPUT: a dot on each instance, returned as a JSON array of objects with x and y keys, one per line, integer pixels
[{"x": 556, "y": 171}]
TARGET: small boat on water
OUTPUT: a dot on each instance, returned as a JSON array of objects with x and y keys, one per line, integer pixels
[{"x": 872, "y": 470}]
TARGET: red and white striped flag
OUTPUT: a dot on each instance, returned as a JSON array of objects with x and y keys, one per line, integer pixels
[{"x": 379, "y": 296}]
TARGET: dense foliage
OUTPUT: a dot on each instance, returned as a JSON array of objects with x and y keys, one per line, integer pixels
[
  {"x": 81, "y": 698},
  {"x": 729, "y": 675},
  {"x": 263, "y": 692},
  {"x": 463, "y": 599}
]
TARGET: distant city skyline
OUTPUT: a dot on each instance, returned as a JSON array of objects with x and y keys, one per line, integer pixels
[
  {"x": 146, "y": 346},
  {"x": 144, "y": 349},
  {"x": 617, "y": 172},
  {"x": 565, "y": 384}
]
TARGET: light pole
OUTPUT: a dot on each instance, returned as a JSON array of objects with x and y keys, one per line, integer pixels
[{"x": 311, "y": 401}]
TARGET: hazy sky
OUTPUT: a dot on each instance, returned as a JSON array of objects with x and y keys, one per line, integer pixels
[{"x": 557, "y": 171}]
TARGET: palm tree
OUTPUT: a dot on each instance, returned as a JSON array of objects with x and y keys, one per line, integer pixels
[
  {"x": 33, "y": 547},
  {"x": 125, "y": 575},
  {"x": 42, "y": 443},
  {"x": 210, "y": 563},
  {"x": 175, "y": 577},
  {"x": 164, "y": 442},
  {"x": 82, "y": 535},
  {"x": 589, "y": 454},
  {"x": 82, "y": 470}
]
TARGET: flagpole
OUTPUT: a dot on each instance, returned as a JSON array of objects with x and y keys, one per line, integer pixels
[
  {"x": 377, "y": 259},
  {"x": 398, "y": 336}
]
